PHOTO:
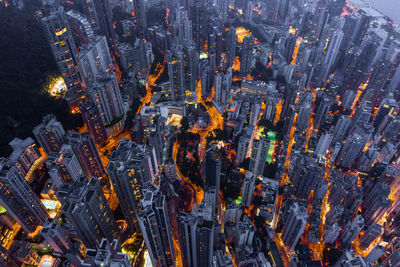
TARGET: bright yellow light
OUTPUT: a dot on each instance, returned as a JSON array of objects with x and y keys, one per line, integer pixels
[
  {"x": 58, "y": 33},
  {"x": 57, "y": 87}
]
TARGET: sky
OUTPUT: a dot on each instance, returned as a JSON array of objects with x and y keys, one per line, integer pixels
[{"x": 390, "y": 8}]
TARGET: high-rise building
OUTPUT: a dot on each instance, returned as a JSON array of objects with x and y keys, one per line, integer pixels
[
  {"x": 25, "y": 154},
  {"x": 248, "y": 188},
  {"x": 331, "y": 54},
  {"x": 356, "y": 74},
  {"x": 212, "y": 170},
  {"x": 306, "y": 178},
  {"x": 200, "y": 16},
  {"x": 341, "y": 128},
  {"x": 196, "y": 240},
  {"x": 93, "y": 121},
  {"x": 351, "y": 230},
  {"x": 258, "y": 157},
  {"x": 323, "y": 144},
  {"x": 139, "y": 8},
  {"x": 125, "y": 56},
  {"x": 294, "y": 226},
  {"x": 87, "y": 210},
  {"x": 143, "y": 58},
  {"x": 86, "y": 151},
  {"x": 154, "y": 223},
  {"x": 305, "y": 110},
  {"x": 376, "y": 88},
  {"x": 99, "y": 13},
  {"x": 81, "y": 27},
  {"x": 107, "y": 253},
  {"x": 182, "y": 26},
  {"x": 376, "y": 209},
  {"x": 246, "y": 57},
  {"x": 354, "y": 144},
  {"x": 64, "y": 166},
  {"x": 331, "y": 233},
  {"x": 244, "y": 234},
  {"x": 191, "y": 65},
  {"x": 270, "y": 10},
  {"x": 56, "y": 236},
  {"x": 175, "y": 62},
  {"x": 375, "y": 254},
  {"x": 387, "y": 107},
  {"x": 95, "y": 59},
  {"x": 255, "y": 112},
  {"x": 372, "y": 232},
  {"x": 348, "y": 259},
  {"x": 7, "y": 258},
  {"x": 362, "y": 115},
  {"x": 243, "y": 147},
  {"x": 131, "y": 166},
  {"x": 106, "y": 96},
  {"x": 59, "y": 36},
  {"x": 19, "y": 200},
  {"x": 232, "y": 214},
  {"x": 49, "y": 134},
  {"x": 218, "y": 86},
  {"x": 230, "y": 45},
  {"x": 322, "y": 112}
]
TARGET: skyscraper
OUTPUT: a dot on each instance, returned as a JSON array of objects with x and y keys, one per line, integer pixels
[
  {"x": 50, "y": 134},
  {"x": 341, "y": 128},
  {"x": 243, "y": 146},
  {"x": 351, "y": 230},
  {"x": 142, "y": 58},
  {"x": 131, "y": 166},
  {"x": 387, "y": 107},
  {"x": 191, "y": 65},
  {"x": 7, "y": 259},
  {"x": 106, "y": 96},
  {"x": 64, "y": 166},
  {"x": 331, "y": 54},
  {"x": 86, "y": 151},
  {"x": 212, "y": 170},
  {"x": 354, "y": 144},
  {"x": 258, "y": 157},
  {"x": 248, "y": 188},
  {"x": 154, "y": 223},
  {"x": 59, "y": 36},
  {"x": 322, "y": 112},
  {"x": 196, "y": 240},
  {"x": 100, "y": 16},
  {"x": 175, "y": 61},
  {"x": 246, "y": 57},
  {"x": 372, "y": 232},
  {"x": 56, "y": 236},
  {"x": 182, "y": 26},
  {"x": 323, "y": 144},
  {"x": 25, "y": 154},
  {"x": 93, "y": 121},
  {"x": 95, "y": 59},
  {"x": 140, "y": 16},
  {"x": 19, "y": 200},
  {"x": 107, "y": 253},
  {"x": 230, "y": 45},
  {"x": 294, "y": 226},
  {"x": 306, "y": 177},
  {"x": 305, "y": 110},
  {"x": 87, "y": 210}
]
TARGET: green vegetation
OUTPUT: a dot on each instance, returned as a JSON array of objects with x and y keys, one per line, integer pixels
[{"x": 26, "y": 62}]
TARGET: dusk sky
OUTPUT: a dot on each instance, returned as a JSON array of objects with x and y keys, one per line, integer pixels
[{"x": 390, "y": 8}]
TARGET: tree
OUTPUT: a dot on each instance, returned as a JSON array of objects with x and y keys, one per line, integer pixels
[
  {"x": 185, "y": 124},
  {"x": 26, "y": 62}
]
